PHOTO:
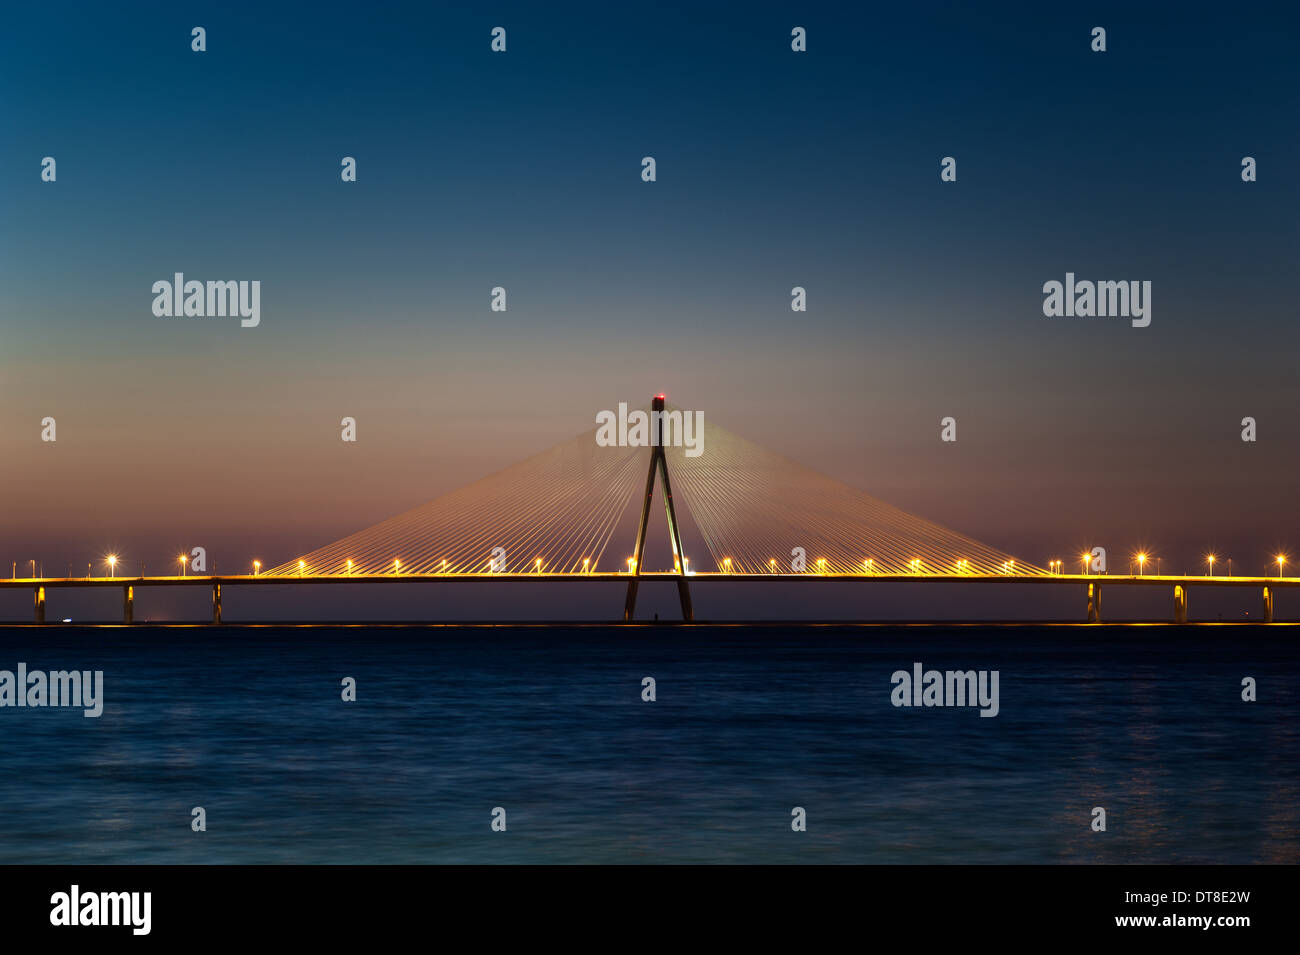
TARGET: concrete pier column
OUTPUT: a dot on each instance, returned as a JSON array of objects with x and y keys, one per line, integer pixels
[
  {"x": 40, "y": 604},
  {"x": 629, "y": 605},
  {"x": 216, "y": 603},
  {"x": 128, "y": 604},
  {"x": 1268, "y": 604},
  {"x": 1180, "y": 603},
  {"x": 1094, "y": 603},
  {"x": 684, "y": 596}
]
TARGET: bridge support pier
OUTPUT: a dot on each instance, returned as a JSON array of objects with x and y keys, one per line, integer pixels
[
  {"x": 40, "y": 604},
  {"x": 684, "y": 597},
  {"x": 1180, "y": 603},
  {"x": 216, "y": 603},
  {"x": 1094, "y": 602},
  {"x": 1268, "y": 604},
  {"x": 629, "y": 605},
  {"x": 128, "y": 604}
]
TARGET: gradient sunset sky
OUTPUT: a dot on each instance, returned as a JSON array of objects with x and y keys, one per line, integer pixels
[{"x": 522, "y": 170}]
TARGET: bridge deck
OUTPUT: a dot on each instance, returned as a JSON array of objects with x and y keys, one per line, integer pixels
[{"x": 448, "y": 578}]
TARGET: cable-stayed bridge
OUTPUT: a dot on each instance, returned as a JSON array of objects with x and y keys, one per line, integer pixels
[{"x": 583, "y": 511}]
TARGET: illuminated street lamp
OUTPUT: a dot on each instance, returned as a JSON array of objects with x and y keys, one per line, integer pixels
[
  {"x": 1210, "y": 560},
  {"x": 112, "y": 564},
  {"x": 397, "y": 566},
  {"x": 182, "y": 559},
  {"x": 1281, "y": 559},
  {"x": 349, "y": 565},
  {"x": 539, "y": 565},
  {"x": 257, "y": 565},
  {"x": 1084, "y": 558},
  {"x": 586, "y": 565},
  {"x": 302, "y": 565},
  {"x": 1142, "y": 559}
]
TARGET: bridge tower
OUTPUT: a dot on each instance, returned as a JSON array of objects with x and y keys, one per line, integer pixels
[{"x": 660, "y": 462}]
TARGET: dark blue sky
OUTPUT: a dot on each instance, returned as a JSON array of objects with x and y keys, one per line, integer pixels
[{"x": 522, "y": 169}]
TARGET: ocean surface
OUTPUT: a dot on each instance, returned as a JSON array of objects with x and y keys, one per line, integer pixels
[{"x": 548, "y": 723}]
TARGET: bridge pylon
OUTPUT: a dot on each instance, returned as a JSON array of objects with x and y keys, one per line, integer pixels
[{"x": 660, "y": 463}]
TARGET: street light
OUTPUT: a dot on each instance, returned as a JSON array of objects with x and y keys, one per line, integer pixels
[
  {"x": 1210, "y": 560},
  {"x": 182, "y": 559},
  {"x": 112, "y": 563},
  {"x": 1142, "y": 559},
  {"x": 1085, "y": 559},
  {"x": 257, "y": 565},
  {"x": 1281, "y": 559}
]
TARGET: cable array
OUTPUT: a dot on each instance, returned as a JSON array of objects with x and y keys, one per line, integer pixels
[
  {"x": 557, "y": 513},
  {"x": 753, "y": 507},
  {"x": 553, "y": 513}
]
